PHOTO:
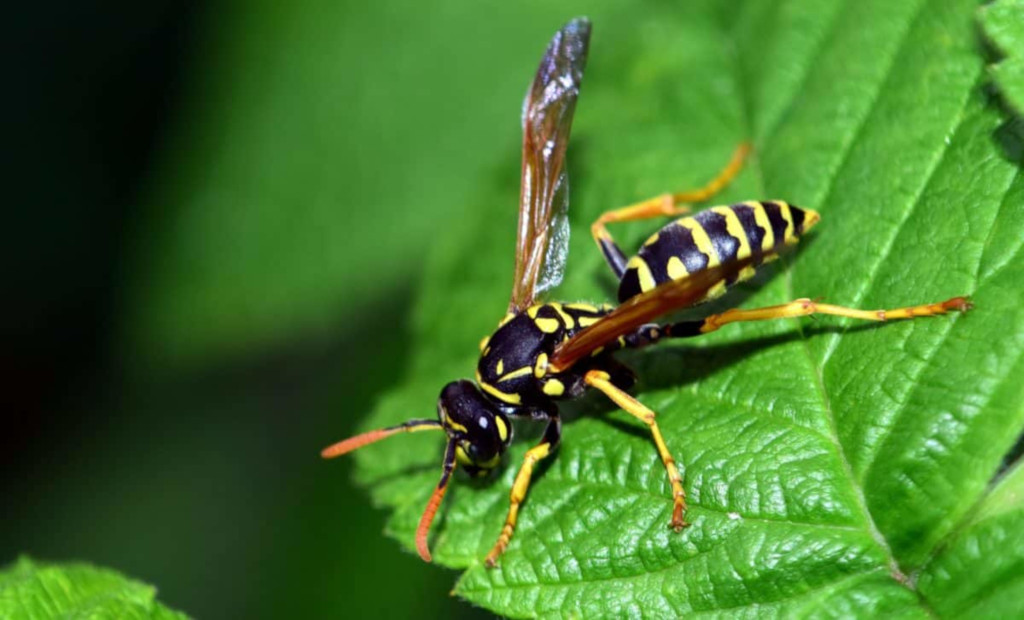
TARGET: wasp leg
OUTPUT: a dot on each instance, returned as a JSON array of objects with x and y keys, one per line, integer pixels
[
  {"x": 552, "y": 435},
  {"x": 664, "y": 205},
  {"x": 800, "y": 307},
  {"x": 601, "y": 380}
]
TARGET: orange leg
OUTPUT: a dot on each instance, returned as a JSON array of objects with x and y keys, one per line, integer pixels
[
  {"x": 664, "y": 205},
  {"x": 602, "y": 381},
  {"x": 806, "y": 307},
  {"x": 552, "y": 435}
]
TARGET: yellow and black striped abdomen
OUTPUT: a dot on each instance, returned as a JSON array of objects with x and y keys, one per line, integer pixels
[{"x": 712, "y": 237}]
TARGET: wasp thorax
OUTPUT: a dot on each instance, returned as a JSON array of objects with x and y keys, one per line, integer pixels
[{"x": 481, "y": 432}]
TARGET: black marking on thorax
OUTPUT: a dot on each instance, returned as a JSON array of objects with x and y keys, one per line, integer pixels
[{"x": 512, "y": 369}]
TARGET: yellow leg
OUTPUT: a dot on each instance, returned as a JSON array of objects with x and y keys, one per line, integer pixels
[
  {"x": 668, "y": 204},
  {"x": 600, "y": 380},
  {"x": 805, "y": 307},
  {"x": 519, "y": 487}
]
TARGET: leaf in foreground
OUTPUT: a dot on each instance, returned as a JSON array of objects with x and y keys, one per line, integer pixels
[
  {"x": 32, "y": 590},
  {"x": 830, "y": 467}
]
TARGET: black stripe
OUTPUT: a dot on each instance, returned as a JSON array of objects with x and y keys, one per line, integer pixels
[
  {"x": 726, "y": 246},
  {"x": 777, "y": 221},
  {"x": 748, "y": 221},
  {"x": 798, "y": 219},
  {"x": 676, "y": 240},
  {"x": 629, "y": 285}
]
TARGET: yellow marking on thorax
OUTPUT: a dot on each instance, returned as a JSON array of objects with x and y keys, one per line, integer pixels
[
  {"x": 700, "y": 239},
  {"x": 581, "y": 307},
  {"x": 508, "y": 317},
  {"x": 787, "y": 215},
  {"x": 502, "y": 429},
  {"x": 548, "y": 326},
  {"x": 541, "y": 366},
  {"x": 518, "y": 372},
  {"x": 533, "y": 310},
  {"x": 734, "y": 228},
  {"x": 500, "y": 368},
  {"x": 761, "y": 217},
  {"x": 483, "y": 343},
  {"x": 513, "y": 399},
  {"x": 652, "y": 239},
  {"x": 566, "y": 318},
  {"x": 676, "y": 269},
  {"x": 643, "y": 273},
  {"x": 554, "y": 387},
  {"x": 587, "y": 321}
]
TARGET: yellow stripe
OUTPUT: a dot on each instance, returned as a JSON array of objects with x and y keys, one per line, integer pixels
[
  {"x": 502, "y": 429},
  {"x": 581, "y": 307},
  {"x": 652, "y": 239},
  {"x": 483, "y": 343},
  {"x": 508, "y": 317},
  {"x": 518, "y": 372},
  {"x": 676, "y": 269},
  {"x": 734, "y": 228},
  {"x": 701, "y": 239},
  {"x": 532, "y": 311},
  {"x": 548, "y": 326},
  {"x": 761, "y": 217},
  {"x": 587, "y": 321},
  {"x": 566, "y": 319},
  {"x": 500, "y": 367},
  {"x": 643, "y": 273},
  {"x": 715, "y": 291},
  {"x": 513, "y": 399},
  {"x": 459, "y": 427},
  {"x": 541, "y": 366},
  {"x": 554, "y": 387}
]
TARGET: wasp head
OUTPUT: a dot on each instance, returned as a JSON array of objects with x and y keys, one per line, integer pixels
[{"x": 477, "y": 428}]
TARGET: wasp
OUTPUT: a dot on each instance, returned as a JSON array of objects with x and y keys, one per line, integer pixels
[{"x": 545, "y": 352}]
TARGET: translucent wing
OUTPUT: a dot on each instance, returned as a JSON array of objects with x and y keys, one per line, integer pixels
[
  {"x": 644, "y": 308},
  {"x": 542, "y": 237}
]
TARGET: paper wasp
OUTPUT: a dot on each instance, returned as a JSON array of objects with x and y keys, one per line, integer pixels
[{"x": 542, "y": 353}]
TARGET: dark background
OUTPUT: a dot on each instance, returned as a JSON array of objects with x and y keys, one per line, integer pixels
[{"x": 168, "y": 381}]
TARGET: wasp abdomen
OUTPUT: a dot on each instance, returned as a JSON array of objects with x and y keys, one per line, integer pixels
[{"x": 712, "y": 237}]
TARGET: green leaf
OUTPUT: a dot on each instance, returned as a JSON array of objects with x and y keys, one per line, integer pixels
[
  {"x": 1003, "y": 24},
  {"x": 832, "y": 468},
  {"x": 32, "y": 590},
  {"x": 980, "y": 571}
]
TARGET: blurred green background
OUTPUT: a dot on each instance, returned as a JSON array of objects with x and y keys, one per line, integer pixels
[{"x": 218, "y": 216}]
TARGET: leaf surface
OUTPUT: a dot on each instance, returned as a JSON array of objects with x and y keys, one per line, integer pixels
[
  {"x": 1003, "y": 24},
  {"x": 831, "y": 468},
  {"x": 30, "y": 589}
]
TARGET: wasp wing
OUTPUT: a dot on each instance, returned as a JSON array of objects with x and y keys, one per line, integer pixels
[
  {"x": 643, "y": 309},
  {"x": 542, "y": 236}
]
